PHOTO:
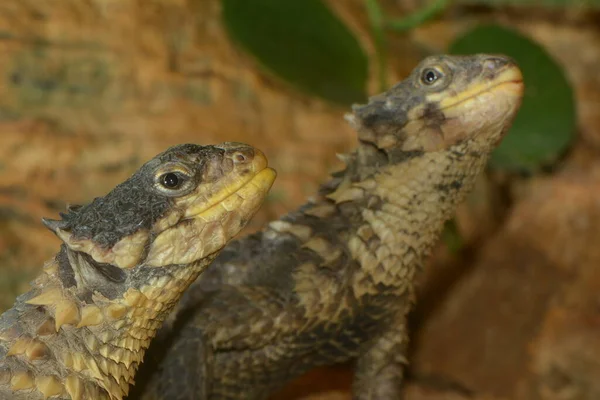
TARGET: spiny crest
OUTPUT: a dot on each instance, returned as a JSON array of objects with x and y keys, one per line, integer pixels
[
  {"x": 66, "y": 220},
  {"x": 68, "y": 311},
  {"x": 47, "y": 385},
  {"x": 302, "y": 232},
  {"x": 384, "y": 113},
  {"x": 33, "y": 349},
  {"x": 120, "y": 355}
]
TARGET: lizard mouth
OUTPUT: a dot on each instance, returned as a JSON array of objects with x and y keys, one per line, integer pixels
[
  {"x": 249, "y": 190},
  {"x": 248, "y": 184},
  {"x": 507, "y": 83}
]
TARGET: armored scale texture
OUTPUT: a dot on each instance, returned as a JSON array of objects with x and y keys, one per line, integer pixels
[
  {"x": 334, "y": 280},
  {"x": 82, "y": 330}
]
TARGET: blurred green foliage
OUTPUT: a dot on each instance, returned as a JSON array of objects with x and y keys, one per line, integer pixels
[{"x": 302, "y": 42}]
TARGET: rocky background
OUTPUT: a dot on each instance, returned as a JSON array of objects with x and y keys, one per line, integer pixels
[{"x": 91, "y": 89}]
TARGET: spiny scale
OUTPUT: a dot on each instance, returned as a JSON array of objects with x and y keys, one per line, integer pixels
[
  {"x": 125, "y": 259},
  {"x": 114, "y": 334}
]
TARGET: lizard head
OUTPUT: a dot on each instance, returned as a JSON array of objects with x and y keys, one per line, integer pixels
[
  {"x": 446, "y": 100},
  {"x": 179, "y": 207}
]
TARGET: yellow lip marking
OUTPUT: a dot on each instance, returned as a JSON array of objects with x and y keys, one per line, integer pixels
[
  {"x": 510, "y": 76},
  {"x": 258, "y": 164},
  {"x": 263, "y": 181}
]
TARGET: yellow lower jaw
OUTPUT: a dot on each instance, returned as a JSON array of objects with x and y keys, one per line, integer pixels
[
  {"x": 192, "y": 211},
  {"x": 258, "y": 186},
  {"x": 510, "y": 76}
]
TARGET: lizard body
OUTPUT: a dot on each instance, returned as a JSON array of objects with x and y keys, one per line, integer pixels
[
  {"x": 81, "y": 331},
  {"x": 334, "y": 280}
]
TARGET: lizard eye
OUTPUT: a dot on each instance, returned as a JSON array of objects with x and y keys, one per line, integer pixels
[
  {"x": 430, "y": 76},
  {"x": 170, "y": 180},
  {"x": 173, "y": 183}
]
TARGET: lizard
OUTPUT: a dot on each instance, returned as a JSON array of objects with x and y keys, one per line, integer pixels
[
  {"x": 334, "y": 281},
  {"x": 125, "y": 258}
]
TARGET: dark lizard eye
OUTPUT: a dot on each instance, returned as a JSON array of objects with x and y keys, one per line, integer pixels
[
  {"x": 430, "y": 75},
  {"x": 173, "y": 180},
  {"x": 170, "y": 180}
]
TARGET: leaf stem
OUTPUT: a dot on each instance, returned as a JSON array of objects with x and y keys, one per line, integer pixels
[
  {"x": 418, "y": 17},
  {"x": 376, "y": 21}
]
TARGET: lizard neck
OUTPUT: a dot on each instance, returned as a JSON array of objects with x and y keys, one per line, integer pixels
[
  {"x": 107, "y": 318},
  {"x": 400, "y": 210}
]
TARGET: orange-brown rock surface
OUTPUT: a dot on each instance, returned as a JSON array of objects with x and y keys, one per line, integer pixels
[{"x": 523, "y": 322}]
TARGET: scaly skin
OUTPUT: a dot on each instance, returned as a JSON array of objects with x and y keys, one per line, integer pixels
[
  {"x": 82, "y": 330},
  {"x": 335, "y": 280}
]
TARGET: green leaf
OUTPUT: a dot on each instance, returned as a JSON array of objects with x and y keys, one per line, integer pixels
[
  {"x": 304, "y": 43},
  {"x": 545, "y": 125}
]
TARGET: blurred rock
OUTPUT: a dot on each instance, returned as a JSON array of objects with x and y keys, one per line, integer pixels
[{"x": 523, "y": 322}]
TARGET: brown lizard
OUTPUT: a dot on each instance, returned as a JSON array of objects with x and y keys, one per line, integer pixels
[
  {"x": 334, "y": 280},
  {"x": 82, "y": 330}
]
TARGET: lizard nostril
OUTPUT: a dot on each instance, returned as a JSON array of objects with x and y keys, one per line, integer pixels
[
  {"x": 241, "y": 157},
  {"x": 496, "y": 62}
]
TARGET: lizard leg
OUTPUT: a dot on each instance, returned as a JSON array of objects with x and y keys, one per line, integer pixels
[{"x": 380, "y": 365}]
